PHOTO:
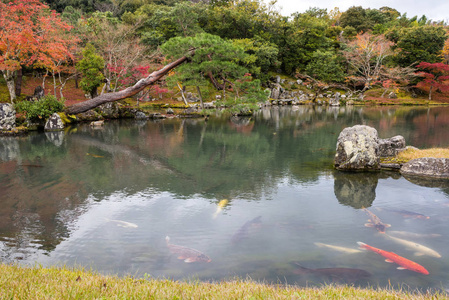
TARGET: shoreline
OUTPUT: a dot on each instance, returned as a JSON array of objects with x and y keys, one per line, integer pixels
[{"x": 18, "y": 282}]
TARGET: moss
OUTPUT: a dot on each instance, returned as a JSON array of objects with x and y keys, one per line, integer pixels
[{"x": 67, "y": 119}]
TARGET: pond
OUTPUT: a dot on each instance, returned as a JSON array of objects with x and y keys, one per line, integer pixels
[{"x": 256, "y": 197}]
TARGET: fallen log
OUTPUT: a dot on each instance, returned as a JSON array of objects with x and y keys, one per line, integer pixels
[{"x": 128, "y": 92}]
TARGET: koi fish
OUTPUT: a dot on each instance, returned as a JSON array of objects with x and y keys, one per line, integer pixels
[
  {"x": 392, "y": 257},
  {"x": 222, "y": 204},
  {"x": 189, "y": 255},
  {"x": 94, "y": 155},
  {"x": 409, "y": 214},
  {"x": 420, "y": 249},
  {"x": 338, "y": 248},
  {"x": 375, "y": 222},
  {"x": 406, "y": 234},
  {"x": 123, "y": 224},
  {"x": 347, "y": 274},
  {"x": 242, "y": 233}
]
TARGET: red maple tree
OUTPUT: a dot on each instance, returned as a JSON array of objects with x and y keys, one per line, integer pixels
[
  {"x": 436, "y": 76},
  {"x": 30, "y": 35}
]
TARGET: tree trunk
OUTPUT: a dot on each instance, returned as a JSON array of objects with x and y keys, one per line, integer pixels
[
  {"x": 19, "y": 77},
  {"x": 9, "y": 78},
  {"x": 200, "y": 96},
  {"x": 181, "y": 89},
  {"x": 430, "y": 93},
  {"x": 128, "y": 92}
]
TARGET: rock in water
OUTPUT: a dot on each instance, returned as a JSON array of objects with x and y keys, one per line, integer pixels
[
  {"x": 427, "y": 166},
  {"x": 7, "y": 117},
  {"x": 357, "y": 149},
  {"x": 54, "y": 123},
  {"x": 392, "y": 146}
]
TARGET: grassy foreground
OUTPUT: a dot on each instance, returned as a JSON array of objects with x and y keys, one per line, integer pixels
[{"x": 62, "y": 283}]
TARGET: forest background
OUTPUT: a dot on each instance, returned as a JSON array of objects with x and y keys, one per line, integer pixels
[{"x": 81, "y": 48}]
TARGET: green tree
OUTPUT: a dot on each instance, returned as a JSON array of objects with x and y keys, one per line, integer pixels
[
  {"x": 215, "y": 60},
  {"x": 91, "y": 67},
  {"x": 417, "y": 44},
  {"x": 304, "y": 35},
  {"x": 325, "y": 66}
]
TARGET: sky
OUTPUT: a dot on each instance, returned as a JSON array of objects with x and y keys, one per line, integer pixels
[{"x": 437, "y": 10}]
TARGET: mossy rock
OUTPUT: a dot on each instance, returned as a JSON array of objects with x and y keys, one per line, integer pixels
[{"x": 67, "y": 119}]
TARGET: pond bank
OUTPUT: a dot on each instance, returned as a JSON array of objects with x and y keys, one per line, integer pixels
[{"x": 63, "y": 283}]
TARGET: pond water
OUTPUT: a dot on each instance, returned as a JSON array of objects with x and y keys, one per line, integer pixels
[{"x": 257, "y": 196}]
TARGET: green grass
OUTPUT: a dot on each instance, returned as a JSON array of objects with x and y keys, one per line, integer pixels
[{"x": 63, "y": 283}]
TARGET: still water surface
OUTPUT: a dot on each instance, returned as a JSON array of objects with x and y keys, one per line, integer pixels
[{"x": 107, "y": 198}]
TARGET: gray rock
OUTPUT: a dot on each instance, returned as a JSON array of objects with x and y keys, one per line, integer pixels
[
  {"x": 392, "y": 146},
  {"x": 278, "y": 79},
  {"x": 275, "y": 92},
  {"x": 7, "y": 117},
  {"x": 89, "y": 115},
  {"x": 427, "y": 166},
  {"x": 109, "y": 110},
  {"x": 54, "y": 123},
  {"x": 335, "y": 100},
  {"x": 38, "y": 93},
  {"x": 170, "y": 111},
  {"x": 140, "y": 115},
  {"x": 392, "y": 95},
  {"x": 357, "y": 149},
  {"x": 303, "y": 97}
]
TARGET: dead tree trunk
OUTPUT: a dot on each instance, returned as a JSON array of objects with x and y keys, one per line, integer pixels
[{"x": 128, "y": 92}]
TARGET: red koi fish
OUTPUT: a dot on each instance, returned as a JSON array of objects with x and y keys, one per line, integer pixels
[
  {"x": 392, "y": 257},
  {"x": 189, "y": 255}
]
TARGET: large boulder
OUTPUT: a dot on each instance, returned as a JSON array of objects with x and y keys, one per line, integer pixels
[
  {"x": 357, "y": 149},
  {"x": 392, "y": 146},
  {"x": 427, "y": 166},
  {"x": 54, "y": 123},
  {"x": 7, "y": 117}
]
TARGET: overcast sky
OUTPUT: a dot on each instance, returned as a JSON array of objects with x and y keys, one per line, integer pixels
[{"x": 436, "y": 10}]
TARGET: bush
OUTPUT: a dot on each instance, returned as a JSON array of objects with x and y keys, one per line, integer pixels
[{"x": 41, "y": 109}]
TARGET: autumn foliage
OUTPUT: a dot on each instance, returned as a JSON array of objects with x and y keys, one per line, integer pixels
[
  {"x": 31, "y": 35},
  {"x": 435, "y": 77}
]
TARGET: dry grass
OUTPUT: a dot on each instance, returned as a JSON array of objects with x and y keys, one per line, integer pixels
[
  {"x": 411, "y": 153},
  {"x": 53, "y": 283}
]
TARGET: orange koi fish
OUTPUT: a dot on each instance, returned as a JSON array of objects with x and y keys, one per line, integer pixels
[
  {"x": 189, "y": 255},
  {"x": 392, "y": 257},
  {"x": 375, "y": 222}
]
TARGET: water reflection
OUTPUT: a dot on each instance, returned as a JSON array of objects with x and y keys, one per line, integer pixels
[{"x": 59, "y": 193}]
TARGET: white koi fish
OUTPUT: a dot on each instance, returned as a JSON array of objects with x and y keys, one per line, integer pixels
[
  {"x": 338, "y": 248},
  {"x": 407, "y": 234},
  {"x": 123, "y": 224},
  {"x": 418, "y": 248}
]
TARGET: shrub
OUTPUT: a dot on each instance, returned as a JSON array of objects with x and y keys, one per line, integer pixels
[{"x": 41, "y": 109}]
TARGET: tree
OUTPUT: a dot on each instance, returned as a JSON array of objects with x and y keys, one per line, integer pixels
[
  {"x": 325, "y": 66},
  {"x": 215, "y": 59},
  {"x": 305, "y": 35},
  {"x": 417, "y": 44},
  {"x": 365, "y": 55},
  {"x": 91, "y": 67},
  {"x": 30, "y": 35},
  {"x": 435, "y": 77}
]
